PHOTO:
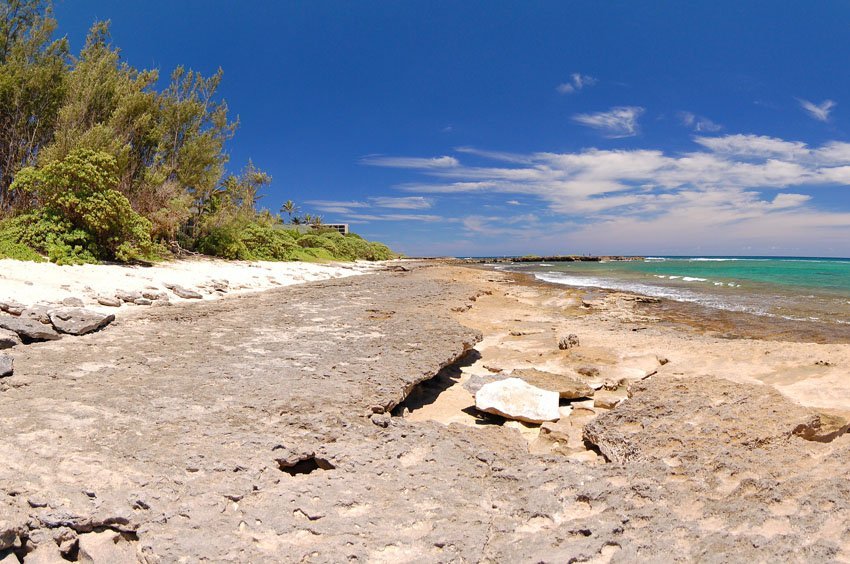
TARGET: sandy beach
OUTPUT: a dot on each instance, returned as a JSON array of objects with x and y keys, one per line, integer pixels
[{"x": 332, "y": 420}]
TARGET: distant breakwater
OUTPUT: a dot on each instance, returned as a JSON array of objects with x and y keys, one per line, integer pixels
[{"x": 555, "y": 258}]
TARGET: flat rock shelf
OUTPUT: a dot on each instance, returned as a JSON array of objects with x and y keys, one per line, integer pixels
[{"x": 258, "y": 428}]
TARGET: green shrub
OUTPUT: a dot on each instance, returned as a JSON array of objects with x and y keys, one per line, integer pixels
[
  {"x": 254, "y": 240},
  {"x": 82, "y": 217}
]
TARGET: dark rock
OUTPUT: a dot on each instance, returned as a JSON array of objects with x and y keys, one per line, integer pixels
[
  {"x": 29, "y": 329},
  {"x": 12, "y": 308},
  {"x": 6, "y": 365},
  {"x": 8, "y": 339},
  {"x": 153, "y": 295},
  {"x": 38, "y": 313},
  {"x": 77, "y": 321}
]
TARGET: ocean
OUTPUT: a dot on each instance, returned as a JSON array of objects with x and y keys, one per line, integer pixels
[{"x": 791, "y": 288}]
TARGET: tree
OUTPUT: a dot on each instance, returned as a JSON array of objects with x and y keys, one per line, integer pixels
[
  {"x": 32, "y": 86},
  {"x": 289, "y": 209}
]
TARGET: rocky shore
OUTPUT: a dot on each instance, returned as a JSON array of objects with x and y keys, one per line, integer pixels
[{"x": 337, "y": 420}]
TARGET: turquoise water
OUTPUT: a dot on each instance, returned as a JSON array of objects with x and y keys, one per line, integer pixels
[{"x": 812, "y": 289}]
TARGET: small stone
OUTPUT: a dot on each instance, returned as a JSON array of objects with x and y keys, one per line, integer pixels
[
  {"x": 589, "y": 371},
  {"x": 8, "y": 339},
  {"x": 109, "y": 301},
  {"x": 381, "y": 419},
  {"x": 609, "y": 399},
  {"x": 36, "y": 502},
  {"x": 12, "y": 308},
  {"x": 72, "y": 302},
  {"x": 568, "y": 342},
  {"x": 128, "y": 297},
  {"x": 153, "y": 295},
  {"x": 184, "y": 293},
  {"x": 38, "y": 313},
  {"x": 142, "y": 301},
  {"x": 106, "y": 546},
  {"x": 7, "y": 365}
]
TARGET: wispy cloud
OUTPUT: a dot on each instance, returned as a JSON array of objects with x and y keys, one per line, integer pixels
[
  {"x": 820, "y": 111},
  {"x": 404, "y": 203},
  {"x": 728, "y": 191},
  {"x": 410, "y": 162},
  {"x": 514, "y": 203},
  {"x": 621, "y": 121},
  {"x": 396, "y": 217},
  {"x": 698, "y": 123},
  {"x": 577, "y": 82},
  {"x": 334, "y": 206}
]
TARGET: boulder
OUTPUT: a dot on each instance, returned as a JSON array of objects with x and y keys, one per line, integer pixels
[
  {"x": 8, "y": 339},
  {"x": 77, "y": 321},
  {"x": 6, "y": 365},
  {"x": 184, "y": 293},
  {"x": 153, "y": 295},
  {"x": 29, "y": 329},
  {"x": 109, "y": 301},
  {"x": 12, "y": 308},
  {"x": 568, "y": 342},
  {"x": 515, "y": 399},
  {"x": 72, "y": 302},
  {"x": 566, "y": 386}
]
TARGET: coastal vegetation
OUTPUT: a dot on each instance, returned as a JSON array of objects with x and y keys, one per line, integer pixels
[{"x": 100, "y": 162}]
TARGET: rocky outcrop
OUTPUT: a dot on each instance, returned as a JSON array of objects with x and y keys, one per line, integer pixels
[
  {"x": 29, "y": 329},
  {"x": 513, "y": 398},
  {"x": 77, "y": 321}
]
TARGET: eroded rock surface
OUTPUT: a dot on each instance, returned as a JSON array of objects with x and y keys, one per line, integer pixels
[
  {"x": 240, "y": 431},
  {"x": 516, "y": 399},
  {"x": 78, "y": 321}
]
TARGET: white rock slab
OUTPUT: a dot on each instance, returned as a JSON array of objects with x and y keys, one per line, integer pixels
[{"x": 515, "y": 399}]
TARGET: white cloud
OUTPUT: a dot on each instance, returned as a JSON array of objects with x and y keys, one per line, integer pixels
[
  {"x": 410, "y": 162},
  {"x": 404, "y": 203},
  {"x": 513, "y": 203},
  {"x": 577, "y": 82},
  {"x": 621, "y": 121},
  {"x": 395, "y": 217},
  {"x": 698, "y": 123},
  {"x": 730, "y": 190},
  {"x": 820, "y": 111},
  {"x": 332, "y": 206}
]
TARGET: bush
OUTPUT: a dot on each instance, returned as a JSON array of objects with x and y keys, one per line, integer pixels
[
  {"x": 248, "y": 241},
  {"x": 81, "y": 216}
]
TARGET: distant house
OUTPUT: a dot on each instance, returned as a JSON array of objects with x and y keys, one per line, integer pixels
[{"x": 341, "y": 227}]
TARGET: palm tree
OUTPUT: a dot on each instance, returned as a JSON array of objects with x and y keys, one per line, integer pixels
[{"x": 289, "y": 209}]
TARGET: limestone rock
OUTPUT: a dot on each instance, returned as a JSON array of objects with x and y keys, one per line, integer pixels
[
  {"x": 6, "y": 365},
  {"x": 515, "y": 399},
  {"x": 72, "y": 302},
  {"x": 77, "y": 321},
  {"x": 142, "y": 301},
  {"x": 29, "y": 329},
  {"x": 184, "y": 293},
  {"x": 822, "y": 428},
  {"x": 568, "y": 342},
  {"x": 477, "y": 381},
  {"x": 106, "y": 546},
  {"x": 109, "y": 301},
  {"x": 154, "y": 295},
  {"x": 12, "y": 308},
  {"x": 8, "y": 339},
  {"x": 566, "y": 386},
  {"x": 609, "y": 399}
]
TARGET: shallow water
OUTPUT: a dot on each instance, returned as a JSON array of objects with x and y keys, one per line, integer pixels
[{"x": 788, "y": 288}]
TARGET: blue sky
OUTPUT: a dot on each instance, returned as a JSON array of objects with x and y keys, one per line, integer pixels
[{"x": 475, "y": 128}]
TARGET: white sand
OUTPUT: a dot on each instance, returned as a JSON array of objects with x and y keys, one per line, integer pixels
[{"x": 32, "y": 283}]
